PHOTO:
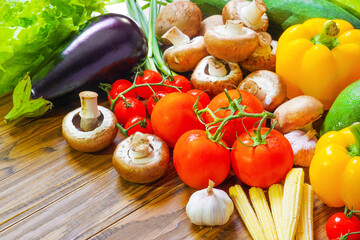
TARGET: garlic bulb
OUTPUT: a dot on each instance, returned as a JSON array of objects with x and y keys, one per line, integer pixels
[
  {"x": 303, "y": 145},
  {"x": 209, "y": 206}
]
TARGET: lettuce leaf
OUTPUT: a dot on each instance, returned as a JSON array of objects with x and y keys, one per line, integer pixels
[{"x": 30, "y": 30}]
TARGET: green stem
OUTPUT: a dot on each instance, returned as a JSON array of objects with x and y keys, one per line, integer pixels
[
  {"x": 355, "y": 148},
  {"x": 345, "y": 237},
  {"x": 328, "y": 35},
  {"x": 122, "y": 130}
]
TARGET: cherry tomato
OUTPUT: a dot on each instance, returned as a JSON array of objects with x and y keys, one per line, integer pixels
[
  {"x": 119, "y": 86},
  {"x": 198, "y": 159},
  {"x": 339, "y": 224},
  {"x": 148, "y": 76},
  {"x": 153, "y": 100},
  {"x": 132, "y": 107},
  {"x": 179, "y": 81},
  {"x": 144, "y": 126},
  {"x": 173, "y": 115},
  {"x": 235, "y": 126},
  {"x": 265, "y": 164},
  {"x": 204, "y": 98}
]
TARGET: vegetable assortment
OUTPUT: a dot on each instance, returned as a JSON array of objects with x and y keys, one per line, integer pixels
[{"x": 218, "y": 123}]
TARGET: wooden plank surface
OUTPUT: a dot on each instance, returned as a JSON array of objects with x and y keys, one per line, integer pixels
[{"x": 50, "y": 191}]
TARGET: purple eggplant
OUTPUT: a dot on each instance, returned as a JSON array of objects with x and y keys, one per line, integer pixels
[{"x": 109, "y": 46}]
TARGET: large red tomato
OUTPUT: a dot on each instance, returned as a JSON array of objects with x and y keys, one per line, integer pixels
[
  {"x": 173, "y": 115},
  {"x": 198, "y": 159},
  {"x": 236, "y": 126},
  {"x": 339, "y": 224},
  {"x": 264, "y": 164}
]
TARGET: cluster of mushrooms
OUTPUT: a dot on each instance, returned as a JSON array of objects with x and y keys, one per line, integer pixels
[{"x": 217, "y": 51}]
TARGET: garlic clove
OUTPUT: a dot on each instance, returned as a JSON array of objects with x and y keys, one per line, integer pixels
[
  {"x": 303, "y": 145},
  {"x": 209, "y": 207}
]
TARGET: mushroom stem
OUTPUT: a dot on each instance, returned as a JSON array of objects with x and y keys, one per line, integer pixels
[
  {"x": 216, "y": 68},
  {"x": 253, "y": 12},
  {"x": 140, "y": 148},
  {"x": 234, "y": 27},
  {"x": 89, "y": 111},
  {"x": 307, "y": 128},
  {"x": 176, "y": 37},
  {"x": 264, "y": 50}
]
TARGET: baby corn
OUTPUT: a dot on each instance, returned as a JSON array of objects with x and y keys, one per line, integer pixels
[
  {"x": 259, "y": 202},
  {"x": 246, "y": 212},
  {"x": 291, "y": 202},
  {"x": 275, "y": 198},
  {"x": 305, "y": 228}
]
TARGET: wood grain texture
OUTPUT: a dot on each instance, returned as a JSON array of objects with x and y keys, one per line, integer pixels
[{"x": 50, "y": 191}]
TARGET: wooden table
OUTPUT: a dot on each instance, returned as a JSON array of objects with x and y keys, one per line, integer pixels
[{"x": 50, "y": 191}]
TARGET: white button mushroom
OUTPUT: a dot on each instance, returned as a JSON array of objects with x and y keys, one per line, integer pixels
[{"x": 89, "y": 128}]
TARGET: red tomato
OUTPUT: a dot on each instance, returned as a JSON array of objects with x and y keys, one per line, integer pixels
[
  {"x": 173, "y": 115},
  {"x": 198, "y": 159},
  {"x": 179, "y": 81},
  {"x": 265, "y": 164},
  {"x": 339, "y": 224},
  {"x": 148, "y": 76},
  {"x": 144, "y": 126},
  {"x": 236, "y": 126},
  {"x": 132, "y": 107},
  {"x": 204, "y": 98},
  {"x": 119, "y": 86},
  {"x": 153, "y": 100}
]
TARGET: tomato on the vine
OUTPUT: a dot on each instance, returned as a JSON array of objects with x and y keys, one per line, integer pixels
[
  {"x": 236, "y": 126},
  {"x": 204, "y": 98},
  {"x": 148, "y": 76},
  {"x": 119, "y": 86},
  {"x": 198, "y": 159},
  {"x": 129, "y": 108},
  {"x": 153, "y": 100},
  {"x": 144, "y": 126},
  {"x": 339, "y": 224},
  {"x": 264, "y": 164},
  {"x": 173, "y": 115},
  {"x": 179, "y": 81}
]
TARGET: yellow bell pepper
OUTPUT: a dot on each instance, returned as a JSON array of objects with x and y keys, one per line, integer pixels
[
  {"x": 319, "y": 58},
  {"x": 335, "y": 168}
]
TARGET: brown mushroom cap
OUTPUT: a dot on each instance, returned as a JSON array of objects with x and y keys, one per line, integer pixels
[
  {"x": 233, "y": 11},
  {"x": 146, "y": 172},
  {"x": 267, "y": 86},
  {"x": 201, "y": 79},
  {"x": 231, "y": 47},
  {"x": 185, "y": 15},
  {"x": 91, "y": 141},
  {"x": 210, "y": 22},
  {"x": 185, "y": 58},
  {"x": 297, "y": 113}
]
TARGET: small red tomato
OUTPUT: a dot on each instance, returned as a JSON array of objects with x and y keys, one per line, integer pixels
[
  {"x": 129, "y": 108},
  {"x": 204, "y": 99},
  {"x": 179, "y": 81},
  {"x": 148, "y": 76},
  {"x": 173, "y": 115},
  {"x": 119, "y": 86},
  {"x": 144, "y": 126},
  {"x": 153, "y": 100},
  {"x": 264, "y": 164},
  {"x": 197, "y": 159},
  {"x": 339, "y": 224}
]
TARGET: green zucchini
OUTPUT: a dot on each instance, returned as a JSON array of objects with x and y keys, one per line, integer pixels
[
  {"x": 285, "y": 13},
  {"x": 352, "y": 6}
]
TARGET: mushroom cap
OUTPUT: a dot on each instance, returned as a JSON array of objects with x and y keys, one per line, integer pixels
[
  {"x": 91, "y": 141},
  {"x": 185, "y": 15},
  {"x": 210, "y": 22},
  {"x": 297, "y": 113},
  {"x": 142, "y": 173},
  {"x": 185, "y": 58},
  {"x": 200, "y": 79},
  {"x": 231, "y": 47},
  {"x": 267, "y": 86},
  {"x": 232, "y": 11}
]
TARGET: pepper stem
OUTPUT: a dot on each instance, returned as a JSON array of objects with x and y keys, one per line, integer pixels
[
  {"x": 328, "y": 35},
  {"x": 355, "y": 130}
]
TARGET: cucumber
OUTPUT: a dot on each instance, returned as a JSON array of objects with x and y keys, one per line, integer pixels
[
  {"x": 352, "y": 6},
  {"x": 285, "y": 13}
]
